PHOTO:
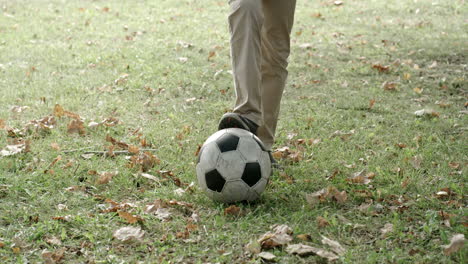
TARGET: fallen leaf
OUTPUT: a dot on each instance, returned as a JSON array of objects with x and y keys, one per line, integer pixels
[
  {"x": 456, "y": 243},
  {"x": 426, "y": 112},
  {"x": 267, "y": 256},
  {"x": 335, "y": 246},
  {"x": 322, "y": 222},
  {"x": 19, "y": 109},
  {"x": 2, "y": 124},
  {"x": 454, "y": 165},
  {"x": 381, "y": 68},
  {"x": 76, "y": 127},
  {"x": 163, "y": 214},
  {"x": 371, "y": 104},
  {"x": 129, "y": 234},
  {"x": 418, "y": 90},
  {"x": 389, "y": 86},
  {"x": 388, "y": 228},
  {"x": 416, "y": 161},
  {"x": 253, "y": 247},
  {"x": 359, "y": 177},
  {"x": 53, "y": 257},
  {"x": 11, "y": 150},
  {"x": 131, "y": 219},
  {"x": 305, "y": 250},
  {"x": 105, "y": 177},
  {"x": 281, "y": 235},
  {"x": 304, "y": 237},
  {"x": 233, "y": 210},
  {"x": 53, "y": 241},
  {"x": 55, "y": 146},
  {"x": 344, "y": 135},
  {"x": 2, "y": 244}
]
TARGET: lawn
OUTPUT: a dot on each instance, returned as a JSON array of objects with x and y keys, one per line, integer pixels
[{"x": 104, "y": 105}]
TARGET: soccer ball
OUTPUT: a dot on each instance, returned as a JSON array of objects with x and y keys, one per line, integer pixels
[{"x": 233, "y": 166}]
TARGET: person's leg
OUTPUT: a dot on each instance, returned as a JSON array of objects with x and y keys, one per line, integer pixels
[
  {"x": 275, "y": 43},
  {"x": 245, "y": 24}
]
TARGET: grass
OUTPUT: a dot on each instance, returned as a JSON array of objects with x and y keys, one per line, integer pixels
[{"x": 122, "y": 60}]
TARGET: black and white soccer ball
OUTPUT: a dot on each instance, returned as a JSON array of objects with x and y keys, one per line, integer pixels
[{"x": 233, "y": 165}]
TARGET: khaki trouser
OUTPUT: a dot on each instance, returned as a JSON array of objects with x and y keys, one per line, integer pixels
[{"x": 260, "y": 45}]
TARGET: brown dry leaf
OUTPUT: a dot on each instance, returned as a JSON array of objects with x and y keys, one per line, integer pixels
[
  {"x": 53, "y": 241},
  {"x": 418, "y": 90},
  {"x": 340, "y": 197},
  {"x": 335, "y": 246},
  {"x": 105, "y": 177},
  {"x": 129, "y": 234},
  {"x": 322, "y": 222},
  {"x": 66, "y": 218},
  {"x": 2, "y": 124},
  {"x": 305, "y": 250},
  {"x": 381, "y": 68},
  {"x": 360, "y": 177},
  {"x": 144, "y": 161},
  {"x": 131, "y": 219},
  {"x": 133, "y": 149},
  {"x": 304, "y": 237},
  {"x": 371, "y": 103},
  {"x": 401, "y": 145},
  {"x": 117, "y": 143},
  {"x": 233, "y": 210},
  {"x": 388, "y": 228},
  {"x": 389, "y": 86},
  {"x": 53, "y": 257},
  {"x": 76, "y": 126},
  {"x": 286, "y": 177},
  {"x": 454, "y": 165},
  {"x": 58, "y": 111},
  {"x": 2, "y": 244},
  {"x": 456, "y": 243},
  {"x": 55, "y": 146},
  {"x": 281, "y": 235}
]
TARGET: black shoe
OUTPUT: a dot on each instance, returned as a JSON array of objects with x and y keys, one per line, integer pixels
[{"x": 232, "y": 120}]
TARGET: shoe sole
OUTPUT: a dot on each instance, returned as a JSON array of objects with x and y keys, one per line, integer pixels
[{"x": 232, "y": 121}]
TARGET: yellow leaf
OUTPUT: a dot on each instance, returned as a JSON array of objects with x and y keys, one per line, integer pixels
[{"x": 59, "y": 111}]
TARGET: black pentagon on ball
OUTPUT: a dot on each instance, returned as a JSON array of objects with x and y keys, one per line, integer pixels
[
  {"x": 252, "y": 173},
  {"x": 227, "y": 142},
  {"x": 214, "y": 181}
]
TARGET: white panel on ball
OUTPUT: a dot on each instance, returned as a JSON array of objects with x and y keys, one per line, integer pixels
[
  {"x": 260, "y": 186},
  {"x": 249, "y": 149},
  {"x": 265, "y": 165},
  {"x": 209, "y": 156},
  {"x": 235, "y": 191},
  {"x": 231, "y": 165}
]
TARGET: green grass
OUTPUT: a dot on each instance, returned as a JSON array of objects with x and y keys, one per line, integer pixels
[{"x": 71, "y": 52}]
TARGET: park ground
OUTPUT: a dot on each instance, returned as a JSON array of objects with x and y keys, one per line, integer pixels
[{"x": 104, "y": 104}]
